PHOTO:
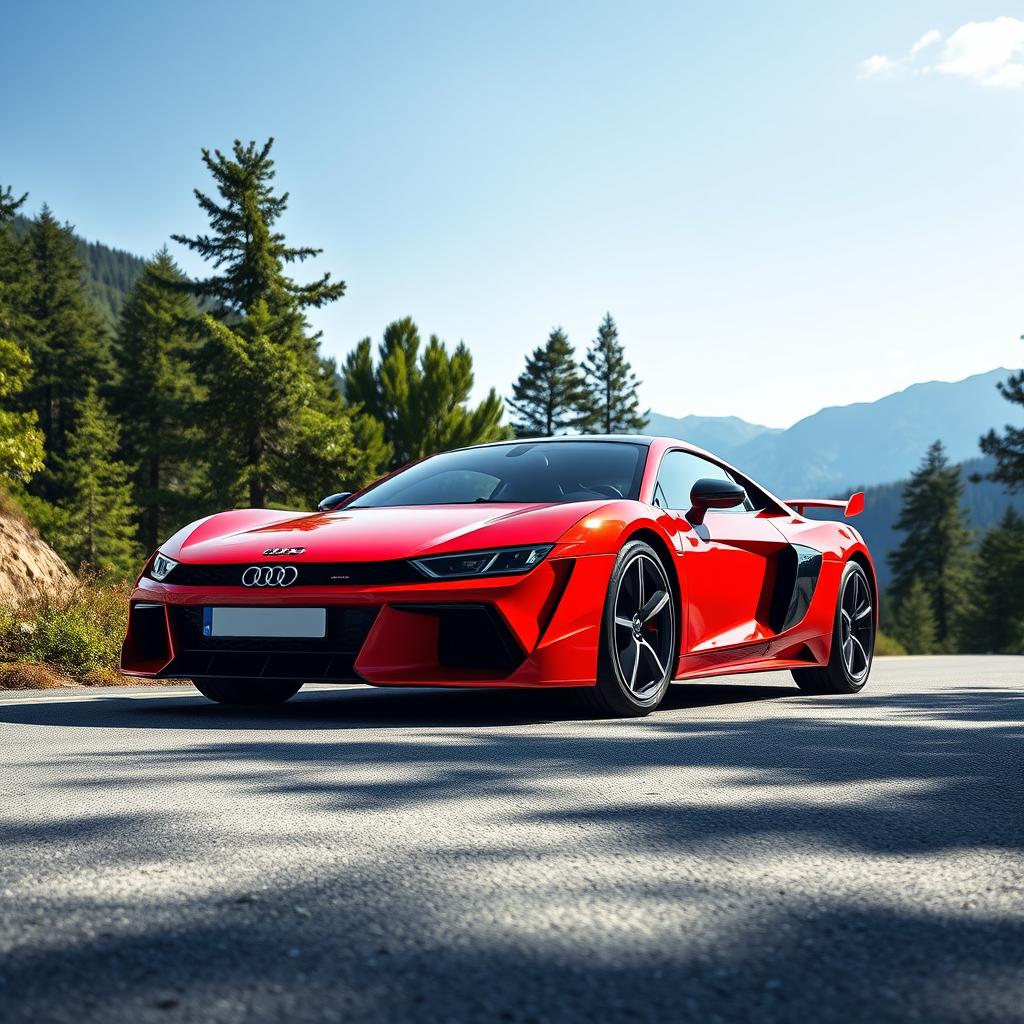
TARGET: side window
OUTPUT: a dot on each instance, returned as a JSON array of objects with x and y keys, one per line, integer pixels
[{"x": 678, "y": 472}]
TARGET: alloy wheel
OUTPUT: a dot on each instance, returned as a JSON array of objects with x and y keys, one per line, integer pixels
[
  {"x": 643, "y": 626},
  {"x": 856, "y": 626}
]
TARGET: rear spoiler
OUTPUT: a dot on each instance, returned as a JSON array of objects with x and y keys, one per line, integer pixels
[{"x": 853, "y": 506}]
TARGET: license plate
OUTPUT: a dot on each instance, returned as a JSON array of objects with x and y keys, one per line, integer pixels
[{"x": 268, "y": 622}]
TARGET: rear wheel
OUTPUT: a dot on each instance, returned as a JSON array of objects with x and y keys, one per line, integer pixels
[
  {"x": 252, "y": 692},
  {"x": 636, "y": 661},
  {"x": 853, "y": 639}
]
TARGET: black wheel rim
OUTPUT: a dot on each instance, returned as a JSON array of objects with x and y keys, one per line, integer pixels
[
  {"x": 643, "y": 632},
  {"x": 856, "y": 626}
]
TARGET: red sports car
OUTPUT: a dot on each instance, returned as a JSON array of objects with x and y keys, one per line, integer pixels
[{"x": 610, "y": 564}]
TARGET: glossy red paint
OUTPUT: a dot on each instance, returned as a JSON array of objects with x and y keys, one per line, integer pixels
[{"x": 728, "y": 576}]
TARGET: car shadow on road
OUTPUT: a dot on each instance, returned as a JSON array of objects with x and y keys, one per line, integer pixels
[{"x": 363, "y": 708}]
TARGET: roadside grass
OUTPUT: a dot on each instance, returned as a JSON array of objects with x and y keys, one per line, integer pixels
[
  {"x": 887, "y": 646},
  {"x": 68, "y": 639}
]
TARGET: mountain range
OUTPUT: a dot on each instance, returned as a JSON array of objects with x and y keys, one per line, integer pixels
[{"x": 851, "y": 446}]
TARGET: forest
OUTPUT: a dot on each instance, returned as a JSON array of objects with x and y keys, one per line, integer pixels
[{"x": 126, "y": 411}]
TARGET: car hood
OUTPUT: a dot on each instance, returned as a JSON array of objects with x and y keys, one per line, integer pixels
[{"x": 373, "y": 534}]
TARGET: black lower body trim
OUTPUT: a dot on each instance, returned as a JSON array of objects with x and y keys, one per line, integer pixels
[{"x": 327, "y": 659}]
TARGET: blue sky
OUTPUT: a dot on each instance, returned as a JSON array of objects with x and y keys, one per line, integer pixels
[{"x": 775, "y": 224}]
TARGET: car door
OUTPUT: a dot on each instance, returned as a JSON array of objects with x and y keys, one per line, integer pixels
[{"x": 728, "y": 562}]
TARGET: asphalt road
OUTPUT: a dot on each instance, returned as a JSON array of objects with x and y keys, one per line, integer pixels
[{"x": 745, "y": 854}]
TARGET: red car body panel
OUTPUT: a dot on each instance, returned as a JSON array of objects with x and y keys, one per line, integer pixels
[{"x": 732, "y": 580}]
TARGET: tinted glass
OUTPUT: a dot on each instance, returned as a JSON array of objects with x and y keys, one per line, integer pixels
[
  {"x": 528, "y": 472},
  {"x": 678, "y": 472}
]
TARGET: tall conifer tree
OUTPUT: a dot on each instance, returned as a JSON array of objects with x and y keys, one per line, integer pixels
[
  {"x": 611, "y": 404},
  {"x": 549, "y": 396},
  {"x": 98, "y": 528},
  {"x": 65, "y": 340},
  {"x": 936, "y": 547},
  {"x": 157, "y": 394},
  {"x": 420, "y": 396},
  {"x": 260, "y": 364}
]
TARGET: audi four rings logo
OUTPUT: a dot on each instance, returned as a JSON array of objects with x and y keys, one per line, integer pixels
[{"x": 270, "y": 576}]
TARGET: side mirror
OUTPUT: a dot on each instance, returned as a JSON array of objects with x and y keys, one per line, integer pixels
[
  {"x": 707, "y": 493},
  {"x": 333, "y": 501}
]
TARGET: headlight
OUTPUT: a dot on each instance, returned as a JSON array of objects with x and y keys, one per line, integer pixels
[
  {"x": 161, "y": 567},
  {"x": 501, "y": 562}
]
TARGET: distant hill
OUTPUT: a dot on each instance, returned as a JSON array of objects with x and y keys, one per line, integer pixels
[
  {"x": 719, "y": 434},
  {"x": 109, "y": 274},
  {"x": 865, "y": 443},
  {"x": 984, "y": 501},
  {"x": 877, "y": 442}
]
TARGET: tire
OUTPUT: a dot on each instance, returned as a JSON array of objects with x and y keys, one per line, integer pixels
[
  {"x": 853, "y": 639},
  {"x": 636, "y": 659},
  {"x": 247, "y": 692}
]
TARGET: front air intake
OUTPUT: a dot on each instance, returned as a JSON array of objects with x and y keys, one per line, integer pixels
[{"x": 471, "y": 636}]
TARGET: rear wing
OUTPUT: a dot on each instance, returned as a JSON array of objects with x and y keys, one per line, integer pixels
[{"x": 853, "y": 506}]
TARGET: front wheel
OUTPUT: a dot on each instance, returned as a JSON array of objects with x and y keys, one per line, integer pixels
[
  {"x": 252, "y": 692},
  {"x": 637, "y": 656},
  {"x": 853, "y": 639}
]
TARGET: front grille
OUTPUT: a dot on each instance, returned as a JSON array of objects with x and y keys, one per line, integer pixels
[
  {"x": 311, "y": 574},
  {"x": 331, "y": 657}
]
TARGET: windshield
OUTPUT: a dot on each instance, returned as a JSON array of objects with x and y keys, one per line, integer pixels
[{"x": 528, "y": 472}]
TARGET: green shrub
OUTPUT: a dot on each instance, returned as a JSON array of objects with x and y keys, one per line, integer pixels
[
  {"x": 75, "y": 633},
  {"x": 886, "y": 645},
  {"x": 70, "y": 639}
]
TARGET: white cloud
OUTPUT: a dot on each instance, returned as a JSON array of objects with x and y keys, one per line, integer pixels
[
  {"x": 988, "y": 52},
  {"x": 932, "y": 36},
  {"x": 874, "y": 66},
  {"x": 985, "y": 51}
]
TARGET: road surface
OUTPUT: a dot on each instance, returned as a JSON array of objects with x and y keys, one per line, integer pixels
[{"x": 745, "y": 854}]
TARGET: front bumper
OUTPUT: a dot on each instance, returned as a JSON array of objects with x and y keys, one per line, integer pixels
[{"x": 537, "y": 630}]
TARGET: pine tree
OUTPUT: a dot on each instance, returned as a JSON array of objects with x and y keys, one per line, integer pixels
[
  {"x": 1007, "y": 448},
  {"x": 549, "y": 394},
  {"x": 257, "y": 341},
  {"x": 21, "y": 442},
  {"x": 420, "y": 398},
  {"x": 936, "y": 548},
  {"x": 64, "y": 339},
  {"x": 611, "y": 404},
  {"x": 997, "y": 625},
  {"x": 98, "y": 510},
  {"x": 243, "y": 241},
  {"x": 157, "y": 396},
  {"x": 913, "y": 623}
]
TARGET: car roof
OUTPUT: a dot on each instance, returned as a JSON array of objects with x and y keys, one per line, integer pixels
[{"x": 642, "y": 439}]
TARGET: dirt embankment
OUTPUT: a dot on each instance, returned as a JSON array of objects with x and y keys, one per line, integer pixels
[{"x": 29, "y": 567}]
